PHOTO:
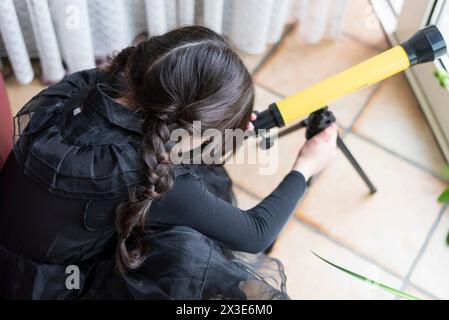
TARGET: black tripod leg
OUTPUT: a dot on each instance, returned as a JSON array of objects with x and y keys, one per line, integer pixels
[{"x": 356, "y": 165}]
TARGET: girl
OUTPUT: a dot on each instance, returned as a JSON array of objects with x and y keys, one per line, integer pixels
[{"x": 90, "y": 188}]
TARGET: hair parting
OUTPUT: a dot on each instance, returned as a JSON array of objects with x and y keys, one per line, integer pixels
[{"x": 186, "y": 75}]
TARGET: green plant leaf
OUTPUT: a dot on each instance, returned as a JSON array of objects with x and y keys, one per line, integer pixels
[
  {"x": 444, "y": 197},
  {"x": 396, "y": 292},
  {"x": 447, "y": 239},
  {"x": 443, "y": 78}
]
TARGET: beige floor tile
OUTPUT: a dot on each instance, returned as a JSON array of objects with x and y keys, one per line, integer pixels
[
  {"x": 348, "y": 108},
  {"x": 18, "y": 94},
  {"x": 247, "y": 169},
  {"x": 414, "y": 291},
  {"x": 362, "y": 24},
  {"x": 390, "y": 226},
  {"x": 264, "y": 98},
  {"x": 310, "y": 278},
  {"x": 245, "y": 201},
  {"x": 431, "y": 271},
  {"x": 394, "y": 119},
  {"x": 257, "y": 170},
  {"x": 298, "y": 65}
]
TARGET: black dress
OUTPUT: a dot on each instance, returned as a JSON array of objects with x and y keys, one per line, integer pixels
[{"x": 76, "y": 156}]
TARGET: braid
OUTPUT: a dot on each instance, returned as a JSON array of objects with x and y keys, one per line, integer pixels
[
  {"x": 186, "y": 75},
  {"x": 131, "y": 215}
]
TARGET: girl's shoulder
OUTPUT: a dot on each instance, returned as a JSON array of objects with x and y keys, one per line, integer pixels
[
  {"x": 201, "y": 178},
  {"x": 77, "y": 142}
]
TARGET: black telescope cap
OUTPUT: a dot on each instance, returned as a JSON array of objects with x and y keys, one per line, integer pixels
[{"x": 425, "y": 46}]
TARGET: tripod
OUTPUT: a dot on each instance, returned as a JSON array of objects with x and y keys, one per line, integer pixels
[{"x": 314, "y": 124}]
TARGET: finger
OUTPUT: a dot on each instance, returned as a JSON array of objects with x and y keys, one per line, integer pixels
[
  {"x": 253, "y": 116},
  {"x": 333, "y": 132},
  {"x": 325, "y": 134},
  {"x": 330, "y": 132},
  {"x": 250, "y": 127}
]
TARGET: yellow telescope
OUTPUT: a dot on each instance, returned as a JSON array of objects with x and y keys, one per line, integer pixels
[{"x": 426, "y": 45}]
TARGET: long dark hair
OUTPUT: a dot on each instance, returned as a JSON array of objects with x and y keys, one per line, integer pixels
[{"x": 188, "y": 74}]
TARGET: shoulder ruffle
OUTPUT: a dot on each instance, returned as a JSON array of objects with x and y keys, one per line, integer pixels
[{"x": 89, "y": 170}]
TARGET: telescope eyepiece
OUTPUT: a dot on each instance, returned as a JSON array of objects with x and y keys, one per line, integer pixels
[
  {"x": 425, "y": 46},
  {"x": 269, "y": 118}
]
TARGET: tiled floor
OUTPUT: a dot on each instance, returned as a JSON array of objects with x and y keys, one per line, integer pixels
[{"x": 396, "y": 236}]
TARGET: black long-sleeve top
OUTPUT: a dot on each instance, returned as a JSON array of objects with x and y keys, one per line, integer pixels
[
  {"x": 74, "y": 163},
  {"x": 253, "y": 230}
]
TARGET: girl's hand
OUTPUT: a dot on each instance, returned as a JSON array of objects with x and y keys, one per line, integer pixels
[
  {"x": 317, "y": 152},
  {"x": 250, "y": 124}
]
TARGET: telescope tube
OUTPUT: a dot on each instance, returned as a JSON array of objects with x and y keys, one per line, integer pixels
[{"x": 426, "y": 45}]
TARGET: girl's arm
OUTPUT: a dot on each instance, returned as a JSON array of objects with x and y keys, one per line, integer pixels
[{"x": 189, "y": 203}]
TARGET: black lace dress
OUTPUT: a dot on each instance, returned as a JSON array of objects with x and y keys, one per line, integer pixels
[{"x": 77, "y": 154}]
